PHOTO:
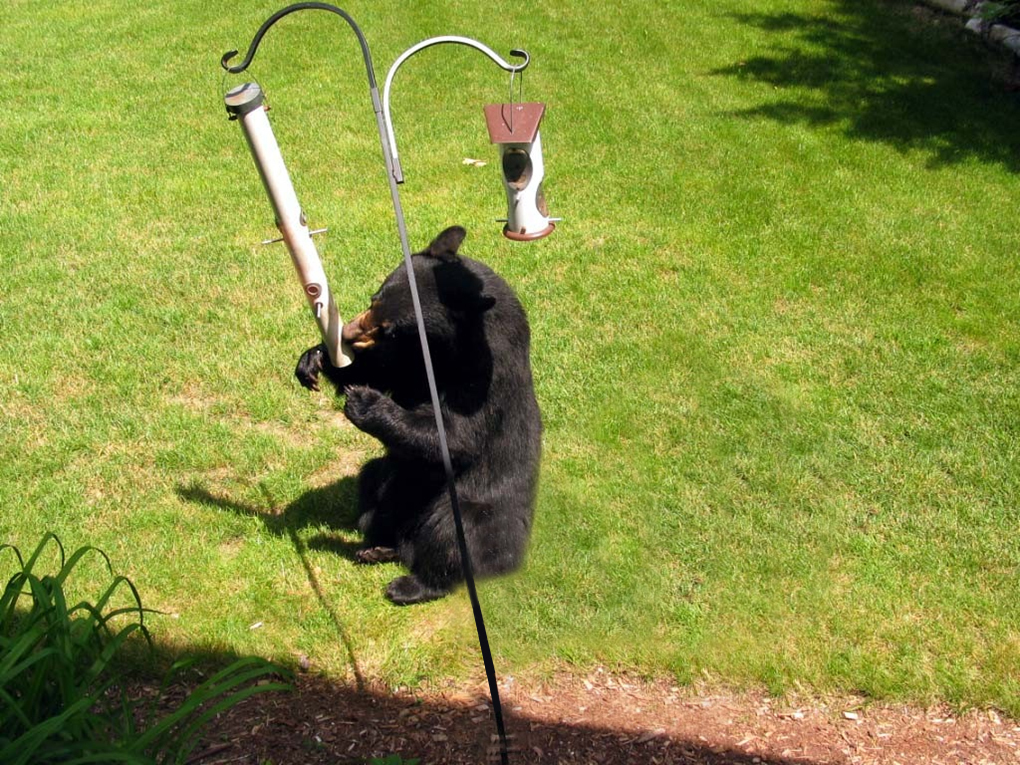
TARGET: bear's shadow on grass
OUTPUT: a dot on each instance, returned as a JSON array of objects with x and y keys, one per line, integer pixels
[{"x": 334, "y": 506}]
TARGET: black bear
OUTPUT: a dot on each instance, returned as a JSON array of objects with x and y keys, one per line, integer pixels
[{"x": 479, "y": 341}]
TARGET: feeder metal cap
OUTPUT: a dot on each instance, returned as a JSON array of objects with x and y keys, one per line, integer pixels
[
  {"x": 525, "y": 119},
  {"x": 243, "y": 99}
]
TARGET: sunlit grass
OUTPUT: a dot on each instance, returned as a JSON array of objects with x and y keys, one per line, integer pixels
[{"x": 775, "y": 337}]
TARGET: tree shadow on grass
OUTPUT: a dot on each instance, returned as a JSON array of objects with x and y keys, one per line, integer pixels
[
  {"x": 334, "y": 506},
  {"x": 884, "y": 74}
]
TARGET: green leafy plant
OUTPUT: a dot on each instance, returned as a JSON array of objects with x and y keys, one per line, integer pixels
[
  {"x": 393, "y": 759},
  {"x": 62, "y": 696},
  {"x": 1001, "y": 11}
]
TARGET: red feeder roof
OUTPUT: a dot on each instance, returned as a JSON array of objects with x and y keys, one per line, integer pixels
[{"x": 524, "y": 117}]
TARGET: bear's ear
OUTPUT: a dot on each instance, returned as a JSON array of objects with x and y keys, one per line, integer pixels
[{"x": 446, "y": 244}]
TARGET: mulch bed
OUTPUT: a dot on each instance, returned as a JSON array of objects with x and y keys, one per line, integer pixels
[{"x": 598, "y": 719}]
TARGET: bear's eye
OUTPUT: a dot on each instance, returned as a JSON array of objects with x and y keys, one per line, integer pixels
[{"x": 376, "y": 305}]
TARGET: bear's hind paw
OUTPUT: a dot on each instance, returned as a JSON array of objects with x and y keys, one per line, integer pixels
[{"x": 407, "y": 590}]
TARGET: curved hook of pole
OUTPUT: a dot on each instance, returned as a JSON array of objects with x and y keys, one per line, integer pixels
[
  {"x": 224, "y": 62},
  {"x": 502, "y": 63}
]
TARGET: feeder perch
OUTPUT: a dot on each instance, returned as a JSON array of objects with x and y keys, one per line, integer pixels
[{"x": 514, "y": 128}]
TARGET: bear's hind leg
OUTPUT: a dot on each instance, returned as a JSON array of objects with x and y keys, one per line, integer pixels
[{"x": 372, "y": 480}]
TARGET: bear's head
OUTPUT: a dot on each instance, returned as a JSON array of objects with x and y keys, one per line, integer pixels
[{"x": 454, "y": 299}]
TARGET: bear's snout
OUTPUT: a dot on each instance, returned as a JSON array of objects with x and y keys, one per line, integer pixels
[{"x": 360, "y": 332}]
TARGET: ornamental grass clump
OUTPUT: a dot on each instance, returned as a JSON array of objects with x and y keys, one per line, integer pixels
[{"x": 62, "y": 692}]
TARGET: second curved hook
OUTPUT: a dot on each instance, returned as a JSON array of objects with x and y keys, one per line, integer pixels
[{"x": 457, "y": 40}]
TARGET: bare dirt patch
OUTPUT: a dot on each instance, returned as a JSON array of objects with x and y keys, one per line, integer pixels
[{"x": 600, "y": 719}]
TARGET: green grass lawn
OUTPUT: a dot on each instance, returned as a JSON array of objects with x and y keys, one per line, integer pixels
[{"x": 775, "y": 338}]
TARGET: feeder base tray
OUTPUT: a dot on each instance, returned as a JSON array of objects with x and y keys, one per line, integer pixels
[{"x": 518, "y": 237}]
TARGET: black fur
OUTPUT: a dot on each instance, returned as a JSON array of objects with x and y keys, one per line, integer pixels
[{"x": 479, "y": 342}]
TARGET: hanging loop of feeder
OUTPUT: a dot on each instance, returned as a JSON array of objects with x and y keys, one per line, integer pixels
[
  {"x": 520, "y": 90},
  {"x": 453, "y": 39}
]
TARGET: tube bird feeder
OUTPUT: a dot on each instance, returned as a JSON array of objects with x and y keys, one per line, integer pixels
[{"x": 245, "y": 103}]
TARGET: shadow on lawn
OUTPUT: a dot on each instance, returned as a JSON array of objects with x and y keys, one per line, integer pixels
[
  {"x": 884, "y": 75},
  {"x": 334, "y": 506},
  {"x": 331, "y": 722},
  {"x": 323, "y": 722}
]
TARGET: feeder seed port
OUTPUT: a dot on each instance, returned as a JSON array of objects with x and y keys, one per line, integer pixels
[{"x": 516, "y": 168}]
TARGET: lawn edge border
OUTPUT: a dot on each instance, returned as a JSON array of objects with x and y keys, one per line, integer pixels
[{"x": 1002, "y": 35}]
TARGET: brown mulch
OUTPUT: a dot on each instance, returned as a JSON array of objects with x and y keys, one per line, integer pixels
[{"x": 600, "y": 719}]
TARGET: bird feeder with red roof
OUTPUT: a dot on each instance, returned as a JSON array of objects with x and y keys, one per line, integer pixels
[{"x": 515, "y": 129}]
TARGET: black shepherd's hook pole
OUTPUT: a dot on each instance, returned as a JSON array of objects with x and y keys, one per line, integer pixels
[
  {"x": 365, "y": 54},
  {"x": 286, "y": 12},
  {"x": 388, "y": 144}
]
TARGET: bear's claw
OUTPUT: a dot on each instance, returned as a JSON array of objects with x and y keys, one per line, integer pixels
[
  {"x": 361, "y": 400},
  {"x": 370, "y": 555},
  {"x": 308, "y": 368}
]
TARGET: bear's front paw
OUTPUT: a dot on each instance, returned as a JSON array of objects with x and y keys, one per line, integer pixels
[
  {"x": 371, "y": 555},
  {"x": 362, "y": 405},
  {"x": 308, "y": 368}
]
